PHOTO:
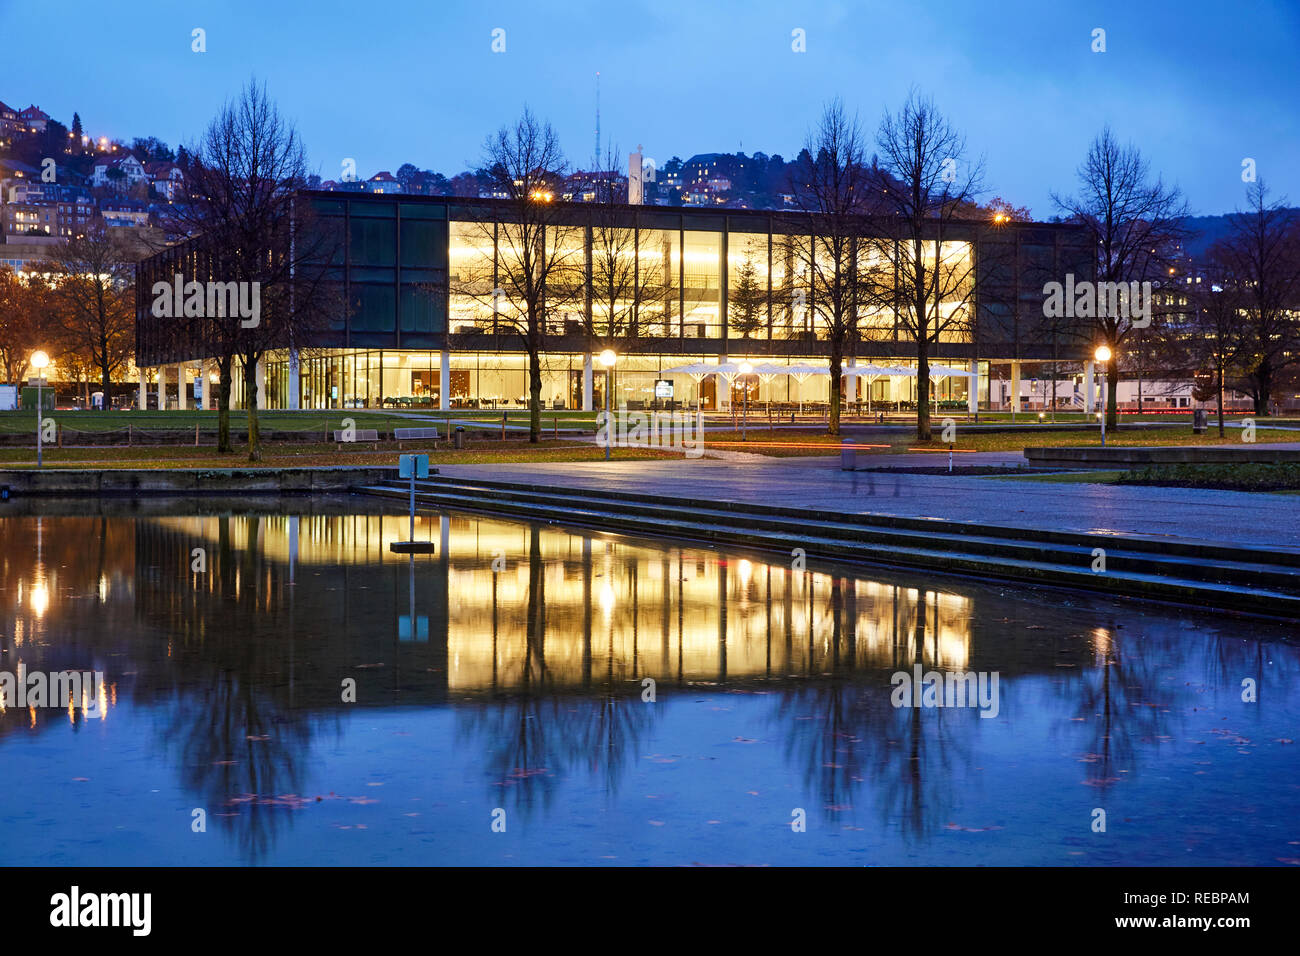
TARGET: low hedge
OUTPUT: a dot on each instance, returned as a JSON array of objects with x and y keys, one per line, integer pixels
[{"x": 1278, "y": 476}]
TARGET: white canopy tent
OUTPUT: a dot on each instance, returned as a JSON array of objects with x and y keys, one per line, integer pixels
[{"x": 697, "y": 371}]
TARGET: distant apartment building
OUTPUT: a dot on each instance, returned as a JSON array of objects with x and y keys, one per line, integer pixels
[
  {"x": 10, "y": 124},
  {"x": 125, "y": 212},
  {"x": 166, "y": 179},
  {"x": 45, "y": 209},
  {"x": 132, "y": 171},
  {"x": 34, "y": 119},
  {"x": 383, "y": 183}
]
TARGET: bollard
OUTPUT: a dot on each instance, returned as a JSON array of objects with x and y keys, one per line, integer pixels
[
  {"x": 848, "y": 455},
  {"x": 460, "y": 436}
]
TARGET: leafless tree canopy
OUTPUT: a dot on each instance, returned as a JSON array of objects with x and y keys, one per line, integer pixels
[
  {"x": 927, "y": 187},
  {"x": 536, "y": 252},
  {"x": 1137, "y": 224},
  {"x": 1262, "y": 252},
  {"x": 248, "y": 225}
]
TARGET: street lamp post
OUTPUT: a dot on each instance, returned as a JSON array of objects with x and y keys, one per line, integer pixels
[
  {"x": 40, "y": 361},
  {"x": 745, "y": 371},
  {"x": 607, "y": 359},
  {"x": 1102, "y": 355}
]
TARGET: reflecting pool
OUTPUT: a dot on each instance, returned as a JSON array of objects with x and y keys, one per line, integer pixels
[{"x": 282, "y": 689}]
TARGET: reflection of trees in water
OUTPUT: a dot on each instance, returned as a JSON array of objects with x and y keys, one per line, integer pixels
[
  {"x": 1229, "y": 660},
  {"x": 1120, "y": 700},
  {"x": 538, "y": 733},
  {"x": 857, "y": 739},
  {"x": 226, "y": 684}
]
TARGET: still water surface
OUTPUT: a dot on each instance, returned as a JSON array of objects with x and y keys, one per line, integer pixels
[{"x": 503, "y": 678}]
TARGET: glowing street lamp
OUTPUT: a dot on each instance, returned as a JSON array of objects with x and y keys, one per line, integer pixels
[
  {"x": 1102, "y": 355},
  {"x": 607, "y": 359},
  {"x": 40, "y": 361}
]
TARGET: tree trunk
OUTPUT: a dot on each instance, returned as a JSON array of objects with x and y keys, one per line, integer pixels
[
  {"x": 1112, "y": 391},
  {"x": 250, "y": 401},
  {"x": 1219, "y": 395},
  {"x": 104, "y": 379},
  {"x": 837, "y": 364},
  {"x": 534, "y": 396},
  {"x": 923, "y": 390},
  {"x": 223, "y": 410}
]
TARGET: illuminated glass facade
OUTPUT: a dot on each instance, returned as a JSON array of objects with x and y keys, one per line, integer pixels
[{"x": 429, "y": 282}]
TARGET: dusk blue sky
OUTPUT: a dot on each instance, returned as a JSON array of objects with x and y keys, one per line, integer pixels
[{"x": 1198, "y": 85}]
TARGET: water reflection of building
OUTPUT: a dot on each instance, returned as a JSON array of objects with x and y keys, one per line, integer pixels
[{"x": 604, "y": 607}]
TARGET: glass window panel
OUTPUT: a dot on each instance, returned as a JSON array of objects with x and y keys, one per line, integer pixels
[
  {"x": 701, "y": 284},
  {"x": 372, "y": 242},
  {"x": 422, "y": 243},
  {"x": 376, "y": 308},
  {"x": 658, "y": 265},
  {"x": 747, "y": 284}
]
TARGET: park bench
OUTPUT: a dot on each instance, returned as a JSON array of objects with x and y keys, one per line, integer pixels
[
  {"x": 415, "y": 434},
  {"x": 358, "y": 435}
]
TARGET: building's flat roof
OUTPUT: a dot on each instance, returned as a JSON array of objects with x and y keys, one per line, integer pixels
[{"x": 690, "y": 212}]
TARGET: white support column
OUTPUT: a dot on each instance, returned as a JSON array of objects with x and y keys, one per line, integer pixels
[
  {"x": 259, "y": 379},
  {"x": 444, "y": 381},
  {"x": 295, "y": 400},
  {"x": 162, "y": 387},
  {"x": 973, "y": 388},
  {"x": 586, "y": 382},
  {"x": 1089, "y": 387},
  {"x": 143, "y": 399},
  {"x": 206, "y": 369},
  {"x": 1015, "y": 387},
  {"x": 180, "y": 387}
]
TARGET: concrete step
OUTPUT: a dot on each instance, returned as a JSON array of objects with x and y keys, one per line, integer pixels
[
  {"x": 1217, "y": 570},
  {"x": 1134, "y": 573}
]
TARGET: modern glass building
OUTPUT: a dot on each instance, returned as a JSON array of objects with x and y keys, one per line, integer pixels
[{"x": 421, "y": 327}]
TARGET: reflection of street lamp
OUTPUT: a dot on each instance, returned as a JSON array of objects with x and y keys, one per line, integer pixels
[
  {"x": 745, "y": 370},
  {"x": 40, "y": 361},
  {"x": 607, "y": 359},
  {"x": 1102, "y": 355}
]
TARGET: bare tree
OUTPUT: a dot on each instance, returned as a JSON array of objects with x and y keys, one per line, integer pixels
[
  {"x": 1214, "y": 337},
  {"x": 251, "y": 229},
  {"x": 831, "y": 182},
  {"x": 927, "y": 188},
  {"x": 1137, "y": 226},
  {"x": 1263, "y": 250},
  {"x": 92, "y": 284},
  {"x": 537, "y": 252},
  {"x": 622, "y": 285}
]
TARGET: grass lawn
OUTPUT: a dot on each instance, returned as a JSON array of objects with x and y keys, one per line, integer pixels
[
  {"x": 1052, "y": 438},
  {"x": 17, "y": 422},
  {"x": 1066, "y": 478},
  {"x": 783, "y": 443},
  {"x": 283, "y": 455}
]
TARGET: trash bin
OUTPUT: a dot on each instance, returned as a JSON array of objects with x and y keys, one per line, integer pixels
[
  {"x": 848, "y": 455},
  {"x": 1199, "y": 421},
  {"x": 460, "y": 436}
]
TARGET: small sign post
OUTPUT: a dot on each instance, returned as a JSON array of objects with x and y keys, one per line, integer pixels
[{"x": 413, "y": 467}]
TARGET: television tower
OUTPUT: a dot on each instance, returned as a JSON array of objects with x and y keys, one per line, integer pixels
[{"x": 597, "y": 154}]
